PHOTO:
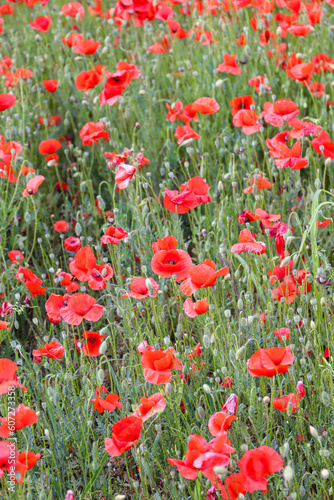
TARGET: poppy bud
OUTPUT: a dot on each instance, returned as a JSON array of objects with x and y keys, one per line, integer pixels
[
  {"x": 240, "y": 353},
  {"x": 56, "y": 398},
  {"x": 289, "y": 409},
  {"x": 325, "y": 398},
  {"x": 240, "y": 305},
  {"x": 288, "y": 473},
  {"x": 227, "y": 313},
  {"x": 46, "y": 432},
  {"x": 100, "y": 375},
  {"x": 220, "y": 470},
  {"x": 325, "y": 473},
  {"x": 243, "y": 322},
  {"x": 120, "y": 497},
  {"x": 200, "y": 412},
  {"x": 78, "y": 229},
  {"x": 103, "y": 347},
  {"x": 169, "y": 388},
  {"x": 285, "y": 261},
  {"x": 266, "y": 400},
  {"x": 314, "y": 432},
  {"x": 251, "y": 411},
  {"x": 219, "y": 83},
  {"x": 207, "y": 388},
  {"x": 206, "y": 341}
]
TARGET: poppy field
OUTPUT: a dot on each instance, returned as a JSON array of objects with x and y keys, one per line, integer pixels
[{"x": 166, "y": 244}]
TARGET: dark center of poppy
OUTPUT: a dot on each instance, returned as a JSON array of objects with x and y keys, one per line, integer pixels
[{"x": 171, "y": 261}]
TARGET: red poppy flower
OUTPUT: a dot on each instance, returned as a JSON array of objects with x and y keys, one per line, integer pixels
[
  {"x": 113, "y": 235},
  {"x": 99, "y": 275},
  {"x": 179, "y": 203},
  {"x": 258, "y": 82},
  {"x": 281, "y": 403},
  {"x": 199, "y": 188},
  {"x": 139, "y": 289},
  {"x": 89, "y": 79},
  {"x": 8, "y": 377},
  {"x": 166, "y": 263},
  {"x": 233, "y": 486},
  {"x": 33, "y": 185},
  {"x": 279, "y": 112},
  {"x": 282, "y": 332},
  {"x": 125, "y": 434},
  {"x": 247, "y": 243},
  {"x": 247, "y": 120},
  {"x": 268, "y": 362},
  {"x": 299, "y": 29},
  {"x": 266, "y": 219},
  {"x": 4, "y": 325},
  {"x": 15, "y": 256},
  {"x": 241, "y": 102},
  {"x": 72, "y": 308},
  {"x": 72, "y": 9},
  {"x": 73, "y": 39},
  {"x": 323, "y": 223},
  {"x": 65, "y": 279},
  {"x": 220, "y": 421},
  {"x": 184, "y": 133},
  {"x": 299, "y": 71},
  {"x": 50, "y": 85},
  {"x": 110, "y": 403},
  {"x": 288, "y": 157},
  {"x": 49, "y": 146},
  {"x": 83, "y": 263},
  {"x": 7, "y": 101},
  {"x": 17, "y": 419},
  {"x": 256, "y": 465},
  {"x": 150, "y": 406},
  {"x": 61, "y": 226},
  {"x": 290, "y": 287},
  {"x": 28, "y": 458},
  {"x": 202, "y": 276},
  {"x": 93, "y": 132},
  {"x": 41, "y": 23},
  {"x": 323, "y": 145},
  {"x": 193, "y": 309},
  {"x": 8, "y": 456},
  {"x": 53, "y": 350},
  {"x": 247, "y": 216},
  {"x": 206, "y": 106},
  {"x": 92, "y": 343},
  {"x": 259, "y": 182},
  {"x": 86, "y": 46},
  {"x": 196, "y": 447},
  {"x": 229, "y": 65},
  {"x": 166, "y": 243},
  {"x": 124, "y": 174},
  {"x": 72, "y": 244},
  {"x": 158, "y": 365},
  {"x": 317, "y": 89},
  {"x": 177, "y": 112}
]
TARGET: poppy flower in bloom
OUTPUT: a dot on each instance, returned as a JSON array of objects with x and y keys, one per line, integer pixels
[
  {"x": 72, "y": 308},
  {"x": 158, "y": 365},
  {"x": 256, "y": 465},
  {"x": 202, "y": 276},
  {"x": 203, "y": 456},
  {"x": 113, "y": 235},
  {"x": 109, "y": 403},
  {"x": 247, "y": 216},
  {"x": 177, "y": 112},
  {"x": 17, "y": 419},
  {"x": 31, "y": 281},
  {"x": 28, "y": 458},
  {"x": 288, "y": 157},
  {"x": 185, "y": 133},
  {"x": 41, "y": 23},
  {"x": 72, "y": 244},
  {"x": 7, "y": 101},
  {"x": 266, "y": 219},
  {"x": 229, "y": 65},
  {"x": 220, "y": 421},
  {"x": 73, "y": 9},
  {"x": 281, "y": 403},
  {"x": 139, "y": 289},
  {"x": 49, "y": 146},
  {"x": 291, "y": 286},
  {"x": 15, "y": 256},
  {"x": 8, "y": 456},
  {"x": 61, "y": 226},
  {"x": 299, "y": 29},
  {"x": 89, "y": 79},
  {"x": 125, "y": 434},
  {"x": 259, "y": 83},
  {"x": 86, "y": 46},
  {"x": 166, "y": 263},
  {"x": 282, "y": 332},
  {"x": 92, "y": 344},
  {"x": 65, "y": 279},
  {"x": 323, "y": 223},
  {"x": 33, "y": 185},
  {"x": 193, "y": 309},
  {"x": 4, "y": 325},
  {"x": 166, "y": 243},
  {"x": 124, "y": 174},
  {"x": 271, "y": 361},
  {"x": 199, "y": 188},
  {"x": 298, "y": 70},
  {"x": 50, "y": 85},
  {"x": 73, "y": 39},
  {"x": 53, "y": 350},
  {"x": 205, "y": 105},
  {"x": 150, "y": 406},
  {"x": 248, "y": 121},
  {"x": 259, "y": 182},
  {"x": 323, "y": 145},
  {"x": 233, "y": 486},
  {"x": 282, "y": 110},
  {"x": 93, "y": 132},
  {"x": 8, "y": 377},
  {"x": 241, "y": 102},
  {"x": 179, "y": 203},
  {"x": 83, "y": 263},
  {"x": 247, "y": 243}
]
